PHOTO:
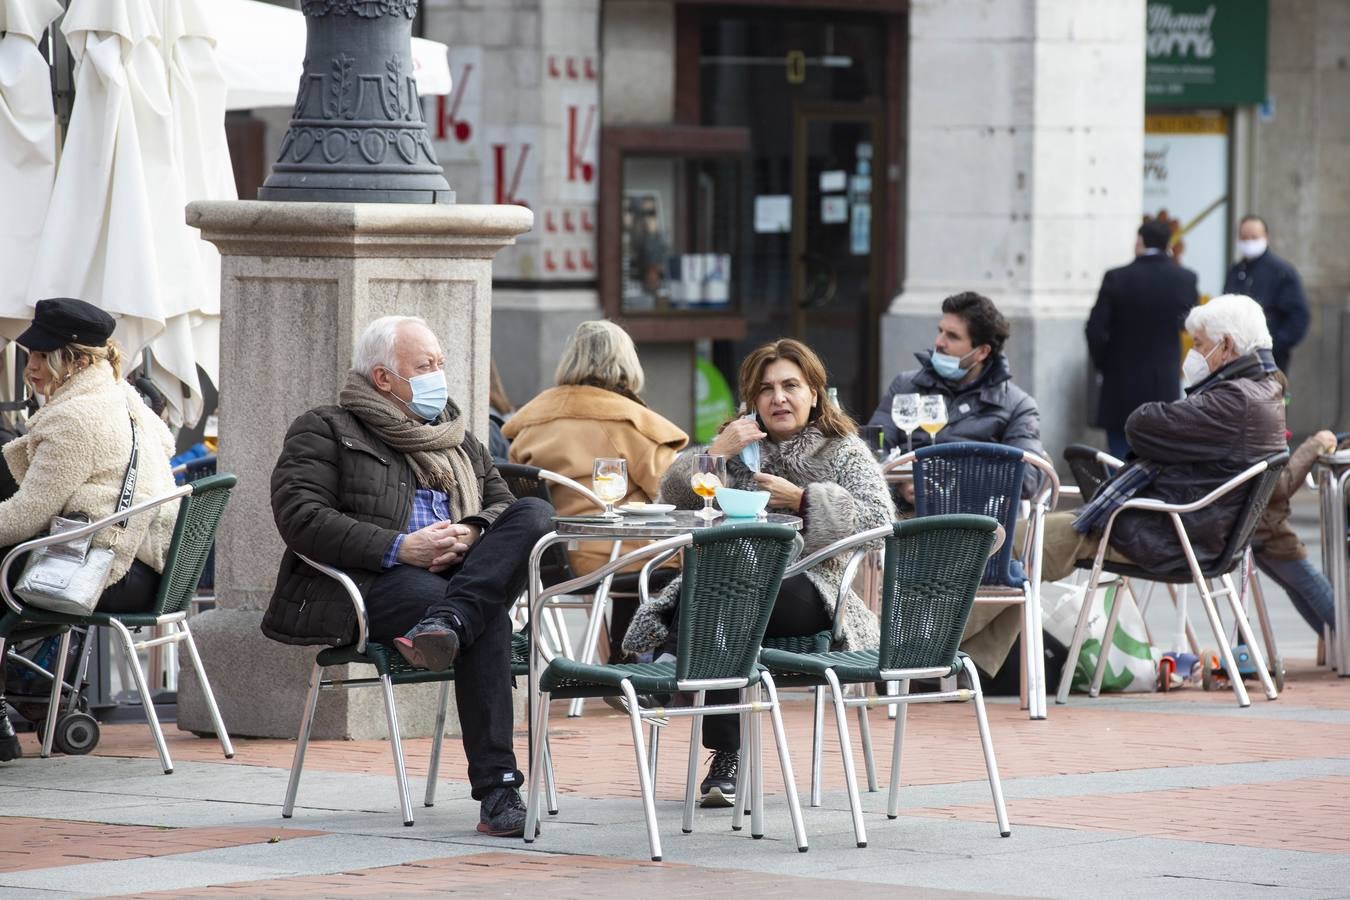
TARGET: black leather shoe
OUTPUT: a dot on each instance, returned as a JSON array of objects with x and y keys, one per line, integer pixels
[{"x": 9, "y": 741}]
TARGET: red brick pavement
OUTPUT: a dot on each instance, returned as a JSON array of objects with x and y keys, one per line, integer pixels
[
  {"x": 1304, "y": 814},
  {"x": 512, "y": 874},
  {"x": 42, "y": 843}
]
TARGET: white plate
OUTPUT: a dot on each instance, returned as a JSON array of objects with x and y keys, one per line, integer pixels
[{"x": 646, "y": 509}]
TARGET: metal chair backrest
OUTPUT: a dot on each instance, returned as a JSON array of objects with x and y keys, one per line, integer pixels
[
  {"x": 970, "y": 478},
  {"x": 1088, "y": 471},
  {"x": 728, "y": 587},
  {"x": 193, "y": 536},
  {"x": 1258, "y": 495},
  {"x": 525, "y": 481},
  {"x": 931, "y": 574}
]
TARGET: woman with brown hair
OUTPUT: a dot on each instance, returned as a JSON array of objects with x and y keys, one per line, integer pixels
[{"x": 813, "y": 465}]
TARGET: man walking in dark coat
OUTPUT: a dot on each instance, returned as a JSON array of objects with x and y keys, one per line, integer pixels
[
  {"x": 1134, "y": 332},
  {"x": 1273, "y": 283},
  {"x": 389, "y": 487}
]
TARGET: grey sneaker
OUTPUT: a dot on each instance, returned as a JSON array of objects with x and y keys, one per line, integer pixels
[
  {"x": 502, "y": 814},
  {"x": 431, "y": 644},
  {"x": 719, "y": 788}
]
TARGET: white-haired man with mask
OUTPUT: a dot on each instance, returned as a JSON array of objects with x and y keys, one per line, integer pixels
[
  {"x": 1231, "y": 417},
  {"x": 389, "y": 487}
]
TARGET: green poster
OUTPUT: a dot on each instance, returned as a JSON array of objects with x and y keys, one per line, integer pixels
[
  {"x": 1206, "y": 53},
  {"x": 713, "y": 401}
]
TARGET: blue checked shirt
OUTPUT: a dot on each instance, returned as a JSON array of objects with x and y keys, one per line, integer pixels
[{"x": 429, "y": 507}]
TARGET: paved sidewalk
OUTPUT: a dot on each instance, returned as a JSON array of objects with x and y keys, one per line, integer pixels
[{"x": 1123, "y": 797}]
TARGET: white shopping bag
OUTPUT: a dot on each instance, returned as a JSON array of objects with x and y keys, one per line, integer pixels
[{"x": 1132, "y": 664}]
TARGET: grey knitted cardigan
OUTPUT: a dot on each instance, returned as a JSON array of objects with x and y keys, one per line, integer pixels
[{"x": 845, "y": 494}]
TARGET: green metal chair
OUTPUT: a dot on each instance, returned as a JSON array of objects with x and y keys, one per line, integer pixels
[
  {"x": 932, "y": 570},
  {"x": 391, "y": 669},
  {"x": 201, "y": 505},
  {"x": 730, "y": 579}
]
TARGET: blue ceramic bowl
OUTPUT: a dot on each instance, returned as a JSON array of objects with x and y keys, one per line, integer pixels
[{"x": 742, "y": 504}]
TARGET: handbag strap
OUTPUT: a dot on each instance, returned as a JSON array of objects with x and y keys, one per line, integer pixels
[{"x": 129, "y": 479}]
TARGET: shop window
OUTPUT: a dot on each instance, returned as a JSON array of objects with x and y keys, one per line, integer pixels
[{"x": 671, "y": 230}]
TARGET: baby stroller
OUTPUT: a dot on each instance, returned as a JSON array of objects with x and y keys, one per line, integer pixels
[{"x": 29, "y": 657}]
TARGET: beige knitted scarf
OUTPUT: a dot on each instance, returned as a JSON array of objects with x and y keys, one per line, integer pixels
[{"x": 434, "y": 449}]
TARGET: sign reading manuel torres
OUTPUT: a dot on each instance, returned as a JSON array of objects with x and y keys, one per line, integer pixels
[{"x": 1206, "y": 52}]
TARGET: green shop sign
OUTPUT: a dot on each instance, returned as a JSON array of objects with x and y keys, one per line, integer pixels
[{"x": 1206, "y": 52}]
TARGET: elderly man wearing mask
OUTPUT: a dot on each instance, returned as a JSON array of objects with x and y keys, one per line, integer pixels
[
  {"x": 389, "y": 487},
  {"x": 1231, "y": 417}
]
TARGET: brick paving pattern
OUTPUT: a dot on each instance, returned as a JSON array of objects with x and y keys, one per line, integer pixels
[{"x": 41, "y": 843}]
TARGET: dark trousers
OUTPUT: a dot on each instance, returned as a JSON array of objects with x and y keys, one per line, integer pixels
[
  {"x": 798, "y": 610},
  {"x": 479, "y": 592}
]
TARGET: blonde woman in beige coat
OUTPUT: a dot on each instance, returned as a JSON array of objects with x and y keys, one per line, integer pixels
[
  {"x": 595, "y": 411},
  {"x": 75, "y": 454}
]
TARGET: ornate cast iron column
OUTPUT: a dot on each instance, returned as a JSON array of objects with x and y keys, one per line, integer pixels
[{"x": 357, "y": 132}]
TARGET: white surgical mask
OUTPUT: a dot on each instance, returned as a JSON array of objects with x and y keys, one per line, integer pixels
[
  {"x": 1251, "y": 249},
  {"x": 1195, "y": 367}
]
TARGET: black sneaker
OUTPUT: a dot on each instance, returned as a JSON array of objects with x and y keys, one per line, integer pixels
[
  {"x": 9, "y": 741},
  {"x": 719, "y": 788},
  {"x": 431, "y": 644},
  {"x": 502, "y": 814}
]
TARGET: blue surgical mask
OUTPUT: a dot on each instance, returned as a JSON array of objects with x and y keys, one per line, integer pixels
[
  {"x": 948, "y": 366},
  {"x": 750, "y": 452},
  {"x": 429, "y": 393}
]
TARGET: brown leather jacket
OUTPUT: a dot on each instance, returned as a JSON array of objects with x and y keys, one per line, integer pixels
[
  {"x": 340, "y": 496},
  {"x": 1230, "y": 420}
]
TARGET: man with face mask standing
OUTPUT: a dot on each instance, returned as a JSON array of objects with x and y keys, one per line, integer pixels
[
  {"x": 1271, "y": 282},
  {"x": 389, "y": 487},
  {"x": 968, "y": 369}
]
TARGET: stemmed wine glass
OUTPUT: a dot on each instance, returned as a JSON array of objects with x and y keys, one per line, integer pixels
[
  {"x": 932, "y": 414},
  {"x": 710, "y": 473},
  {"x": 609, "y": 480},
  {"x": 905, "y": 415}
]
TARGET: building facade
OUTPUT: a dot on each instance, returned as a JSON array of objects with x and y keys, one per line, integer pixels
[{"x": 713, "y": 175}]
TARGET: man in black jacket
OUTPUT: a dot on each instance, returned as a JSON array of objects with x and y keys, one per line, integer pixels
[
  {"x": 1273, "y": 283},
  {"x": 389, "y": 487},
  {"x": 1134, "y": 332}
]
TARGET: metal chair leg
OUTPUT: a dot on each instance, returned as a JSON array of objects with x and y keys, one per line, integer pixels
[
  {"x": 653, "y": 750},
  {"x": 756, "y": 772},
  {"x": 1216, "y": 626},
  {"x": 644, "y": 776},
  {"x": 396, "y": 747},
  {"x": 54, "y": 700},
  {"x": 987, "y": 744},
  {"x": 1108, "y": 636},
  {"x": 1037, "y": 687},
  {"x": 817, "y": 742},
  {"x": 742, "y": 767},
  {"x": 893, "y": 798},
  {"x": 302, "y": 741},
  {"x": 550, "y": 780},
  {"x": 1080, "y": 628},
  {"x": 1263, "y": 618},
  {"x": 846, "y": 751},
  {"x": 1245, "y": 629},
  {"x": 695, "y": 739},
  {"x": 222, "y": 734},
  {"x": 434, "y": 764},
  {"x": 138, "y": 676},
  {"x": 538, "y": 754},
  {"x": 785, "y": 763},
  {"x": 869, "y": 761}
]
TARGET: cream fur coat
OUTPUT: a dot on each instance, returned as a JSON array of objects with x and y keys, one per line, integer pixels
[{"x": 73, "y": 459}]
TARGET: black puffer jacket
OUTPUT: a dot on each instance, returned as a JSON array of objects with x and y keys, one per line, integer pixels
[
  {"x": 1229, "y": 421},
  {"x": 340, "y": 496}
]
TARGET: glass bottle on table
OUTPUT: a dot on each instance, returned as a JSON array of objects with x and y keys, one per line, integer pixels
[
  {"x": 710, "y": 473},
  {"x": 609, "y": 480},
  {"x": 932, "y": 414},
  {"x": 905, "y": 415}
]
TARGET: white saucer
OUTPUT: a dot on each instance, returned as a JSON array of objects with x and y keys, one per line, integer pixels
[{"x": 646, "y": 509}]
